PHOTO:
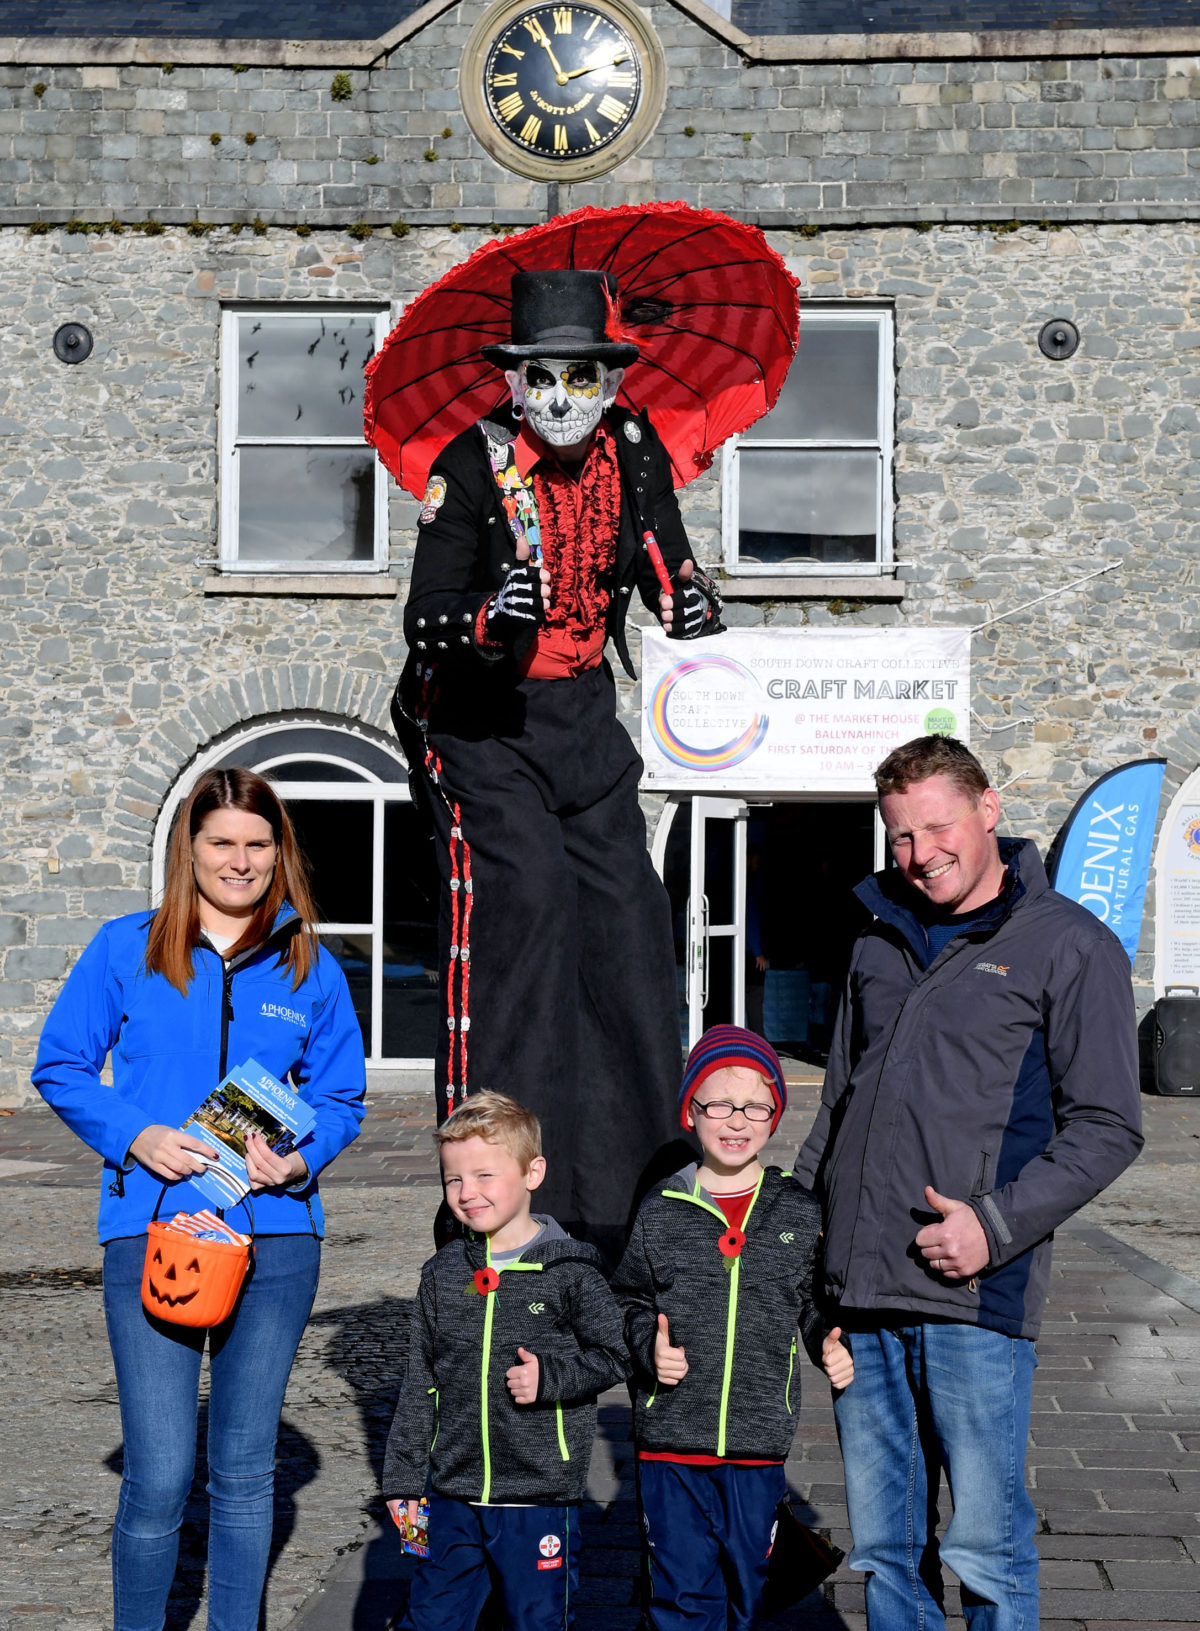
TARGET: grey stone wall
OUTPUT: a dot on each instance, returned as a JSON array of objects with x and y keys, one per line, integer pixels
[
  {"x": 778, "y": 142},
  {"x": 1014, "y": 476}
]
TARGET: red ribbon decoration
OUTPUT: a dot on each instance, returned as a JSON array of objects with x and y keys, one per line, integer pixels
[
  {"x": 487, "y": 1280},
  {"x": 731, "y": 1243}
]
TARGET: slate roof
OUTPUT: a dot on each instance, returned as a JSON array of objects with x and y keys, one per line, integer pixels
[
  {"x": 368, "y": 19},
  {"x": 207, "y": 19},
  {"x": 949, "y": 16}
]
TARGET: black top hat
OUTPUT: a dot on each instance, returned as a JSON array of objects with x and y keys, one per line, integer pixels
[{"x": 561, "y": 314}]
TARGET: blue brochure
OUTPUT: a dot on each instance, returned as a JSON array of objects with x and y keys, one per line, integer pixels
[{"x": 249, "y": 1100}]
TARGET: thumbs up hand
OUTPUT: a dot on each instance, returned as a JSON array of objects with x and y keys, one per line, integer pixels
[
  {"x": 522, "y": 1378},
  {"x": 670, "y": 1364},
  {"x": 836, "y": 1359},
  {"x": 955, "y": 1247}
]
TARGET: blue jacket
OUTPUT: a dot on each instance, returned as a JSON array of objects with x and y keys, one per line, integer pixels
[
  {"x": 1003, "y": 1071},
  {"x": 169, "y": 1050}
]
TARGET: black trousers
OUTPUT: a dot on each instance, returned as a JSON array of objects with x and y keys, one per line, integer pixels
[{"x": 555, "y": 945}]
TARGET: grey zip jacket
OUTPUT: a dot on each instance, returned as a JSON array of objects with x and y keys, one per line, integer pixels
[
  {"x": 737, "y": 1318},
  {"x": 1003, "y": 1072},
  {"x": 456, "y": 1420}
]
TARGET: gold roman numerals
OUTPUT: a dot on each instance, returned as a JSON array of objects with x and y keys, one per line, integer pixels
[{"x": 571, "y": 87}]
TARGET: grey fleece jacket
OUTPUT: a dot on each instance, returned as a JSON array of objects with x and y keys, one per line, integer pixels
[
  {"x": 455, "y": 1418},
  {"x": 737, "y": 1319},
  {"x": 1003, "y": 1072}
]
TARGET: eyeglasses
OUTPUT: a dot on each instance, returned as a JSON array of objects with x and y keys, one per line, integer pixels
[{"x": 721, "y": 1110}]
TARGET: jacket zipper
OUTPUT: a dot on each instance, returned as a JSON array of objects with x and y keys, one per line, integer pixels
[
  {"x": 731, "y": 1307},
  {"x": 488, "y": 1317},
  {"x": 226, "y": 1016},
  {"x": 787, "y": 1392},
  {"x": 488, "y": 1314}
]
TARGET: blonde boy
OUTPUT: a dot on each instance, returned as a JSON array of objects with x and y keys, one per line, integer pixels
[{"x": 514, "y": 1334}]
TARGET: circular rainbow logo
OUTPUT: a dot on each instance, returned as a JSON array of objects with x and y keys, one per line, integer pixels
[{"x": 695, "y": 754}]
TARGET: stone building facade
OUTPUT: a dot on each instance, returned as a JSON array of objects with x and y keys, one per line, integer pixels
[{"x": 964, "y": 188}]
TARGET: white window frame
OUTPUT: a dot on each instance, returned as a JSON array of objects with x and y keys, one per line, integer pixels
[
  {"x": 231, "y": 443},
  {"x": 367, "y": 787},
  {"x": 884, "y": 563}
]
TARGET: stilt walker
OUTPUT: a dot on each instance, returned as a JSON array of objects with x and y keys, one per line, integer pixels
[{"x": 539, "y": 522}]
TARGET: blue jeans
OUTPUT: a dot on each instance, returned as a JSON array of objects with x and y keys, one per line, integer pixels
[
  {"x": 926, "y": 1397},
  {"x": 158, "y": 1375}
]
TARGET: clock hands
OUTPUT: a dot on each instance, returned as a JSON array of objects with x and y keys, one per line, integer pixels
[
  {"x": 595, "y": 68},
  {"x": 554, "y": 62},
  {"x": 562, "y": 77}
]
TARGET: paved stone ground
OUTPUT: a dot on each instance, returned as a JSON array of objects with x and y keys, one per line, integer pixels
[{"x": 1116, "y": 1415}]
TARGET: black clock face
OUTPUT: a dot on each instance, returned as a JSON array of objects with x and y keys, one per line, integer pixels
[{"x": 562, "y": 81}]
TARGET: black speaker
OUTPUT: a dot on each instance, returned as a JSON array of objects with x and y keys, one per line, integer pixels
[{"x": 1177, "y": 1042}]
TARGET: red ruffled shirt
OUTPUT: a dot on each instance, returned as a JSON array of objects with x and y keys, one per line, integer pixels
[{"x": 578, "y": 517}]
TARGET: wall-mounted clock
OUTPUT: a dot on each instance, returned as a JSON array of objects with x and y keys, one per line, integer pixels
[{"x": 562, "y": 92}]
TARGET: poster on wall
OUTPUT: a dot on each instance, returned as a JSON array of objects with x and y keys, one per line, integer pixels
[
  {"x": 1177, "y": 892},
  {"x": 796, "y": 710}
]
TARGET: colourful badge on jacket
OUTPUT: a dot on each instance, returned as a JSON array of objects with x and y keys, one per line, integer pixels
[
  {"x": 485, "y": 1280},
  {"x": 435, "y": 497},
  {"x": 730, "y": 1245}
]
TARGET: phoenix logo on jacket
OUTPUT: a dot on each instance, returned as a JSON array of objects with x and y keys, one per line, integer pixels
[{"x": 277, "y": 1010}]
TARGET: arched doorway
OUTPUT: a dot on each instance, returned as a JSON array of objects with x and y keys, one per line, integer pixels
[{"x": 373, "y": 870}]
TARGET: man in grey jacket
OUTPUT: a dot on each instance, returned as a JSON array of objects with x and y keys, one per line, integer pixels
[{"x": 982, "y": 1087}]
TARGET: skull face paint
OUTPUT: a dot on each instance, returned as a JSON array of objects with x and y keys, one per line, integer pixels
[{"x": 562, "y": 397}]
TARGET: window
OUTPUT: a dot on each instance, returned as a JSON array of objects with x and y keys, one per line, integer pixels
[
  {"x": 300, "y": 489},
  {"x": 808, "y": 488}
]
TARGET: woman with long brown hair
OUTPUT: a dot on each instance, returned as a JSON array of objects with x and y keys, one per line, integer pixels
[{"x": 228, "y": 969}]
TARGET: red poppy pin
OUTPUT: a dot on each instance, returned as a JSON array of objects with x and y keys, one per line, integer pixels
[
  {"x": 486, "y": 1280},
  {"x": 731, "y": 1243}
]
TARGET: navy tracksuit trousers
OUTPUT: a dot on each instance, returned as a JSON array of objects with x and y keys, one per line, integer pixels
[
  {"x": 530, "y": 1554},
  {"x": 710, "y": 1531}
]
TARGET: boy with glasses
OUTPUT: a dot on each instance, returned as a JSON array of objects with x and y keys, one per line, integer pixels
[{"x": 717, "y": 1288}]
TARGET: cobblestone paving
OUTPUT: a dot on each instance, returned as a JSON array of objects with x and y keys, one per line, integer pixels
[{"x": 1116, "y": 1422}]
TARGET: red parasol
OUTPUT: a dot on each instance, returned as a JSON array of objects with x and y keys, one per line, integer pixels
[{"x": 713, "y": 308}]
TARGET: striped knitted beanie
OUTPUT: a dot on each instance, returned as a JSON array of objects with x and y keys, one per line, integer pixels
[{"x": 723, "y": 1045}]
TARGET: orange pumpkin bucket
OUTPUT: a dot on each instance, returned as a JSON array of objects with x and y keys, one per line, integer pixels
[{"x": 188, "y": 1281}]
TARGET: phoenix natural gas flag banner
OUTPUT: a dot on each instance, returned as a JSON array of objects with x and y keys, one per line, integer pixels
[
  {"x": 1101, "y": 857},
  {"x": 796, "y": 710}
]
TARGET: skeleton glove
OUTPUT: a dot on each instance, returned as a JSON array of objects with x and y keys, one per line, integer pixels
[
  {"x": 516, "y": 607},
  {"x": 696, "y": 606}
]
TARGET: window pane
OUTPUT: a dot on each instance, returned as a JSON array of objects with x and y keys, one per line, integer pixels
[
  {"x": 335, "y": 835},
  {"x": 806, "y": 506},
  {"x": 832, "y": 390},
  {"x": 413, "y": 1001},
  {"x": 303, "y": 375},
  {"x": 306, "y": 504},
  {"x": 312, "y": 770},
  {"x": 353, "y": 952}
]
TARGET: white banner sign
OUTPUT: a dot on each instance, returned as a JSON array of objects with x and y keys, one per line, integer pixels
[
  {"x": 1177, "y": 880},
  {"x": 796, "y": 710}
]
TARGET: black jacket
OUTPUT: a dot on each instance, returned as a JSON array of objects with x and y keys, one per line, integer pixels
[
  {"x": 455, "y": 1417},
  {"x": 736, "y": 1319},
  {"x": 1004, "y": 1074},
  {"x": 465, "y": 548}
]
